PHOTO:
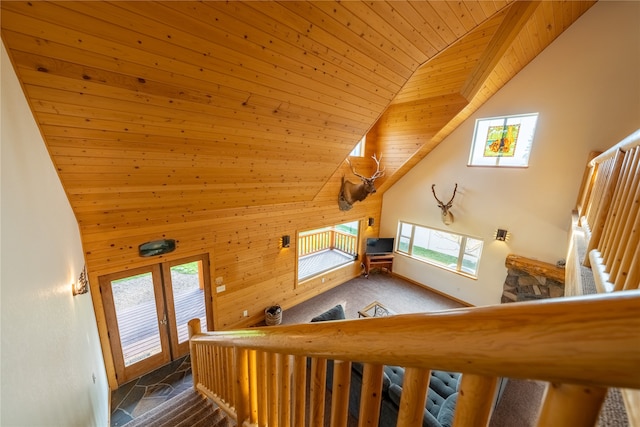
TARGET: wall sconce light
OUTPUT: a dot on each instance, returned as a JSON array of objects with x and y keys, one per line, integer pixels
[
  {"x": 502, "y": 235},
  {"x": 286, "y": 241},
  {"x": 371, "y": 221},
  {"x": 82, "y": 285}
]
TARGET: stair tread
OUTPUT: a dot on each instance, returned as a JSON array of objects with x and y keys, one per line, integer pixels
[{"x": 188, "y": 409}]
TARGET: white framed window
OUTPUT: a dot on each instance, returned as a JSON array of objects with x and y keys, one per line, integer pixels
[
  {"x": 451, "y": 251},
  {"x": 358, "y": 150},
  {"x": 503, "y": 141}
]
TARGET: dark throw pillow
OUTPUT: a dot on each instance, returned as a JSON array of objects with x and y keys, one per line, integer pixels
[{"x": 336, "y": 313}]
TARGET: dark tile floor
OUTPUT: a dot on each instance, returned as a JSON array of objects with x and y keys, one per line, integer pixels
[{"x": 145, "y": 393}]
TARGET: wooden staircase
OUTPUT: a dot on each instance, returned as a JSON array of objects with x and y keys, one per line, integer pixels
[{"x": 188, "y": 409}]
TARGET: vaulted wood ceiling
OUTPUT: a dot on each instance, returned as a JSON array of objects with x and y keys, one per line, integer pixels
[{"x": 214, "y": 105}]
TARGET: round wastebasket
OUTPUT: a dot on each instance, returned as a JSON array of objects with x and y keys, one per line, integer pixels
[{"x": 273, "y": 315}]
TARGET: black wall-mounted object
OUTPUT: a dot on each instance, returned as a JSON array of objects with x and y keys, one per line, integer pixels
[{"x": 157, "y": 247}]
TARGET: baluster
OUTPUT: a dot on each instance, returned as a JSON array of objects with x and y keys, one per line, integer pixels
[
  {"x": 605, "y": 205},
  {"x": 632, "y": 281},
  {"x": 571, "y": 405},
  {"x": 284, "y": 384},
  {"x": 299, "y": 389},
  {"x": 228, "y": 376},
  {"x": 242, "y": 403},
  {"x": 253, "y": 388},
  {"x": 262, "y": 389},
  {"x": 613, "y": 253},
  {"x": 624, "y": 235},
  {"x": 208, "y": 366},
  {"x": 340, "y": 393},
  {"x": 414, "y": 396},
  {"x": 217, "y": 379},
  {"x": 317, "y": 392},
  {"x": 272, "y": 378},
  {"x": 371, "y": 395},
  {"x": 616, "y": 217},
  {"x": 473, "y": 407}
]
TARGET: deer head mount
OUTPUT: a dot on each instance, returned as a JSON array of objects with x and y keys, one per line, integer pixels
[
  {"x": 351, "y": 193},
  {"x": 447, "y": 216}
]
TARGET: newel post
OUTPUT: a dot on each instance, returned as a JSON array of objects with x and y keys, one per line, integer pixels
[{"x": 194, "y": 328}]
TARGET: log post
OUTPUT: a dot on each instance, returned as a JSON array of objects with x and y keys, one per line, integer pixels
[
  {"x": 194, "y": 328},
  {"x": 535, "y": 267},
  {"x": 571, "y": 405},
  {"x": 414, "y": 396},
  {"x": 474, "y": 407}
]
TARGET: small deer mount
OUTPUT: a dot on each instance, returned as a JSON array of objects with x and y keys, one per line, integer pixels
[
  {"x": 447, "y": 216},
  {"x": 351, "y": 193}
]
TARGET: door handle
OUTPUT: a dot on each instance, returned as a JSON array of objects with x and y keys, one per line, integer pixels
[{"x": 164, "y": 319}]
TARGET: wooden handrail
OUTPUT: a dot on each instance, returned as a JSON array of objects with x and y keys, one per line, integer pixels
[
  {"x": 581, "y": 345},
  {"x": 542, "y": 340}
]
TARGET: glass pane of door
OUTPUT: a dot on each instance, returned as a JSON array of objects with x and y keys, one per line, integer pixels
[
  {"x": 136, "y": 313},
  {"x": 187, "y": 282}
]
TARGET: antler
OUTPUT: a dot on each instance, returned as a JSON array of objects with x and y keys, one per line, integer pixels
[
  {"x": 433, "y": 190},
  {"x": 377, "y": 174}
]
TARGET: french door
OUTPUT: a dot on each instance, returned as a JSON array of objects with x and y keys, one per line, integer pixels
[{"x": 147, "y": 311}]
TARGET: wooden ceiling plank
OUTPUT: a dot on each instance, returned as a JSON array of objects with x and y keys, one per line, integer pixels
[
  {"x": 179, "y": 98},
  {"x": 462, "y": 11},
  {"x": 321, "y": 15},
  {"x": 367, "y": 19},
  {"x": 186, "y": 29},
  {"x": 447, "y": 14},
  {"x": 94, "y": 37},
  {"x": 76, "y": 124},
  {"x": 476, "y": 11},
  {"x": 324, "y": 45},
  {"x": 52, "y": 100},
  {"x": 79, "y": 116},
  {"x": 447, "y": 72},
  {"x": 432, "y": 18},
  {"x": 231, "y": 147},
  {"x": 513, "y": 22},
  {"x": 410, "y": 15},
  {"x": 387, "y": 11},
  {"x": 68, "y": 150},
  {"x": 547, "y": 23}
]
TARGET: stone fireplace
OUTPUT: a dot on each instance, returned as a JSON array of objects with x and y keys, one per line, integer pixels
[{"x": 529, "y": 279}]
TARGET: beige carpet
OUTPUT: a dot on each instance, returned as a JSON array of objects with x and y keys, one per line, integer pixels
[{"x": 399, "y": 295}]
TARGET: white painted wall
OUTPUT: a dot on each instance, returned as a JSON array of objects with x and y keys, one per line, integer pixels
[
  {"x": 586, "y": 87},
  {"x": 50, "y": 346}
]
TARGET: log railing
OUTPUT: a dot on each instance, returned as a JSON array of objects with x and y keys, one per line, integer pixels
[
  {"x": 327, "y": 239},
  {"x": 259, "y": 374},
  {"x": 609, "y": 211}
]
